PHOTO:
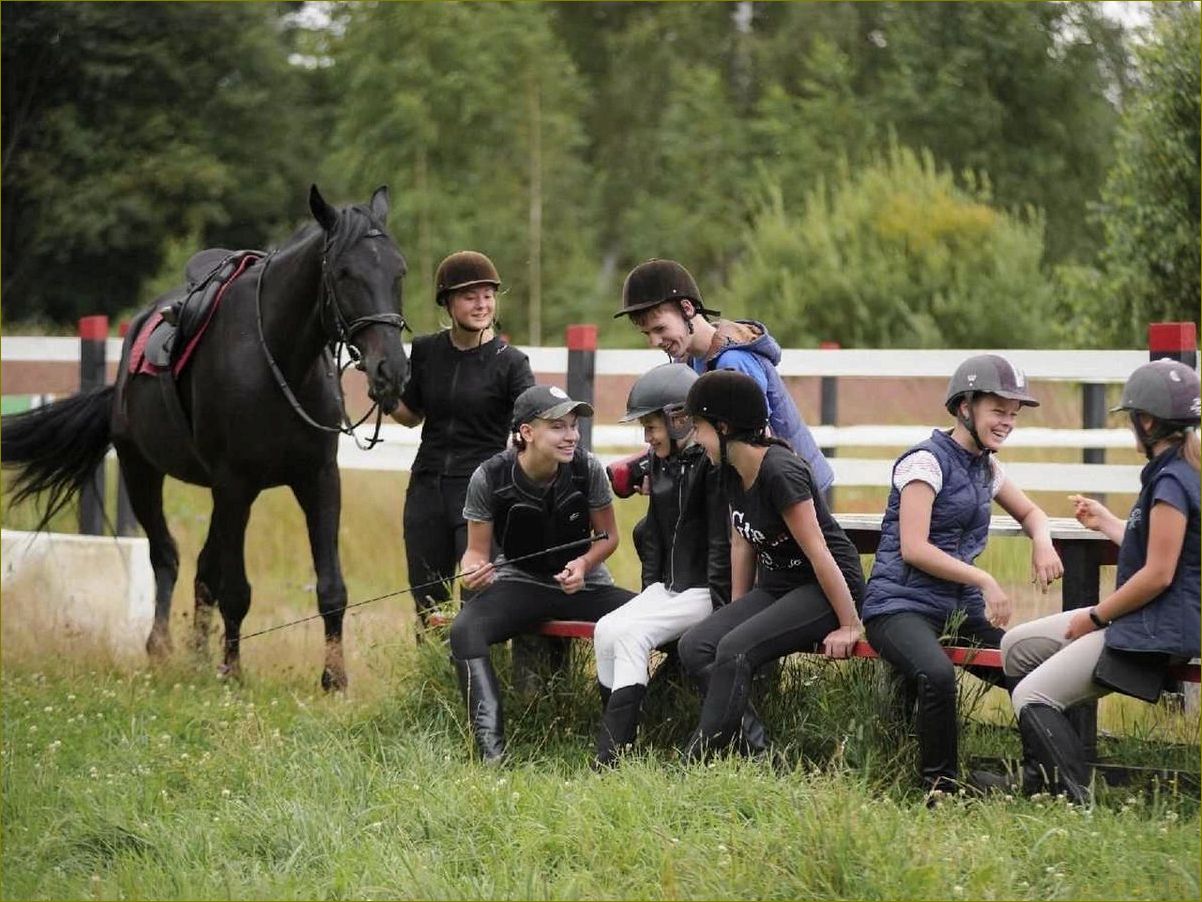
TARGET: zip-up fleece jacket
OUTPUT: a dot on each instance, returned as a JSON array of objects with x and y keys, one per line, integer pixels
[{"x": 687, "y": 541}]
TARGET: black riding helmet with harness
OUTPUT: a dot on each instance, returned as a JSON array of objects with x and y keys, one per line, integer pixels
[
  {"x": 656, "y": 281},
  {"x": 733, "y": 398},
  {"x": 985, "y": 374},
  {"x": 1168, "y": 392}
]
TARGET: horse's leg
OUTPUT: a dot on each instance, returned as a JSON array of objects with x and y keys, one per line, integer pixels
[
  {"x": 145, "y": 487},
  {"x": 232, "y": 499},
  {"x": 321, "y": 500},
  {"x": 206, "y": 589}
]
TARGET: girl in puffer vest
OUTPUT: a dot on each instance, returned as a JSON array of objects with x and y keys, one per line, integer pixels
[
  {"x": 1127, "y": 641},
  {"x": 924, "y": 583}
]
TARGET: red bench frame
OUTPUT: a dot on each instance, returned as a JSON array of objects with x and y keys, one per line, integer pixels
[{"x": 958, "y": 655}]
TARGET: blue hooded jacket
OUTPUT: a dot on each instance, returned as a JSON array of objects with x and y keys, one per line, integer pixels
[{"x": 746, "y": 347}]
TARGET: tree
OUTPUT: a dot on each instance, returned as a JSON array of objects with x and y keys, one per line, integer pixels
[
  {"x": 127, "y": 127},
  {"x": 472, "y": 112},
  {"x": 894, "y": 254},
  {"x": 1150, "y": 203}
]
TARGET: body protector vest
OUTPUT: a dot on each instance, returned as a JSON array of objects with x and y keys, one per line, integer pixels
[{"x": 529, "y": 519}]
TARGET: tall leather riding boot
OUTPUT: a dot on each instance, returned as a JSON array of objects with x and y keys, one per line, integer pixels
[
  {"x": 619, "y": 724},
  {"x": 1052, "y": 743},
  {"x": 753, "y": 735},
  {"x": 722, "y": 715},
  {"x": 478, "y": 684},
  {"x": 938, "y": 739}
]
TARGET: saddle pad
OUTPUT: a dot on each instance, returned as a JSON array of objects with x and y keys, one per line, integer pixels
[{"x": 138, "y": 362}]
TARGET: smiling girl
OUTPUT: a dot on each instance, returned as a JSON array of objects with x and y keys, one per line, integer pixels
[
  {"x": 935, "y": 525},
  {"x": 543, "y": 492}
]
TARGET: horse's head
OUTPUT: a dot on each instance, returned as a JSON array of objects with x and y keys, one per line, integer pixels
[{"x": 363, "y": 271}]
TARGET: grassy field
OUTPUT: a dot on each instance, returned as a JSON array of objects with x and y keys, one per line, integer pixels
[{"x": 125, "y": 782}]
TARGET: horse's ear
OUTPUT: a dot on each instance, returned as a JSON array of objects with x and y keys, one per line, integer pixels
[
  {"x": 321, "y": 210},
  {"x": 379, "y": 203}
]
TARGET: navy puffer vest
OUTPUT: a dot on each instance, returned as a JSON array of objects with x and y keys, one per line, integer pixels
[
  {"x": 1170, "y": 621},
  {"x": 959, "y": 526}
]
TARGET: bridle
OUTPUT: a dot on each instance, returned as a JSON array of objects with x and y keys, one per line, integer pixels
[{"x": 340, "y": 334}]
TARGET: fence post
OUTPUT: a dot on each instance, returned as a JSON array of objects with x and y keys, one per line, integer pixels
[
  {"x": 1093, "y": 416},
  {"x": 829, "y": 411},
  {"x": 582, "y": 369},
  {"x": 1176, "y": 341},
  {"x": 93, "y": 333},
  {"x": 127, "y": 523}
]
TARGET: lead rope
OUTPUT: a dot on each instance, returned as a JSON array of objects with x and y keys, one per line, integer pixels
[{"x": 434, "y": 582}]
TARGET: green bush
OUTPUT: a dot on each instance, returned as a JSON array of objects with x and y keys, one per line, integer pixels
[{"x": 897, "y": 254}]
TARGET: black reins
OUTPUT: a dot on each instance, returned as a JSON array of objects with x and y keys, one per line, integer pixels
[{"x": 340, "y": 334}]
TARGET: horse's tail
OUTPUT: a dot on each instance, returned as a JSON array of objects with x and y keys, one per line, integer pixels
[{"x": 57, "y": 447}]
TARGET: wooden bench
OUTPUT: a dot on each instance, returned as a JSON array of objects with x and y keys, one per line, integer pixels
[
  {"x": 1083, "y": 551},
  {"x": 959, "y": 655}
]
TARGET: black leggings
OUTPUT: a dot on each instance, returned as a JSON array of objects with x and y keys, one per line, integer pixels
[
  {"x": 725, "y": 650},
  {"x": 910, "y": 643},
  {"x": 435, "y": 535},
  {"x": 508, "y": 608}
]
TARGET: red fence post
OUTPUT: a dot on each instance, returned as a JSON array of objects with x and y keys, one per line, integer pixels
[
  {"x": 1176, "y": 341},
  {"x": 93, "y": 334},
  {"x": 582, "y": 370}
]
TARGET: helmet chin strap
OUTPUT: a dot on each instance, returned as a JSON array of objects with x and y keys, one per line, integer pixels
[{"x": 969, "y": 423}]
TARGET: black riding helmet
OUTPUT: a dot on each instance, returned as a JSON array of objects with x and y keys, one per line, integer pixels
[
  {"x": 727, "y": 396},
  {"x": 1166, "y": 390},
  {"x": 463, "y": 269},
  {"x": 656, "y": 281},
  {"x": 990, "y": 374}
]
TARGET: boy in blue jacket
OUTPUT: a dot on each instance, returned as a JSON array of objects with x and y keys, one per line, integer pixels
[{"x": 663, "y": 301}]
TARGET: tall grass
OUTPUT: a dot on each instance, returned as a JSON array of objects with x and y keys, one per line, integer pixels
[{"x": 123, "y": 782}]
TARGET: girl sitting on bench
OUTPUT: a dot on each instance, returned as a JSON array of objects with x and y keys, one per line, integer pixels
[
  {"x": 1151, "y": 620},
  {"x": 809, "y": 573},
  {"x": 543, "y": 492},
  {"x": 936, "y": 524},
  {"x": 685, "y": 555}
]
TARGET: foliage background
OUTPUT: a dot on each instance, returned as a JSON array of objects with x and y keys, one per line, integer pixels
[{"x": 1002, "y": 174}]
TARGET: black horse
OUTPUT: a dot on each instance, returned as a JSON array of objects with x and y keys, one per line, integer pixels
[{"x": 269, "y": 339}]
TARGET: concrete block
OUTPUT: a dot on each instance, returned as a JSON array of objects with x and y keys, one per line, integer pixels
[{"x": 58, "y": 588}]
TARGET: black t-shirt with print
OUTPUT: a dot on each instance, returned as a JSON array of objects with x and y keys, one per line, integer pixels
[{"x": 784, "y": 480}]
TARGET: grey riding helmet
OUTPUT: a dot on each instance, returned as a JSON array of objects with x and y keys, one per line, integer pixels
[
  {"x": 664, "y": 388},
  {"x": 1166, "y": 389},
  {"x": 988, "y": 373}
]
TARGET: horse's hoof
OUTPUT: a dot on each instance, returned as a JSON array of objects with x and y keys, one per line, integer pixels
[
  {"x": 158, "y": 645},
  {"x": 332, "y": 681},
  {"x": 229, "y": 672}
]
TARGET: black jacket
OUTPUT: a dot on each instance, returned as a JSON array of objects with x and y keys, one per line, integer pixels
[
  {"x": 687, "y": 540},
  {"x": 466, "y": 398}
]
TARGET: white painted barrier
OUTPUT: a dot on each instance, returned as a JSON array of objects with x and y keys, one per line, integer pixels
[
  {"x": 614, "y": 441},
  {"x": 92, "y": 588}
]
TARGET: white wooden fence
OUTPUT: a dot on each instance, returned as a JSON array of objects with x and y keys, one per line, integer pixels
[{"x": 614, "y": 440}]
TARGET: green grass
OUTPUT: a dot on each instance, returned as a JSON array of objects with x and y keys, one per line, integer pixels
[
  {"x": 124, "y": 782},
  {"x": 169, "y": 784}
]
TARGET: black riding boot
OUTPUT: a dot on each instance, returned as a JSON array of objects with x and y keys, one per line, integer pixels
[
  {"x": 478, "y": 684},
  {"x": 721, "y": 718},
  {"x": 753, "y": 735},
  {"x": 619, "y": 724},
  {"x": 1051, "y": 742},
  {"x": 938, "y": 742}
]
